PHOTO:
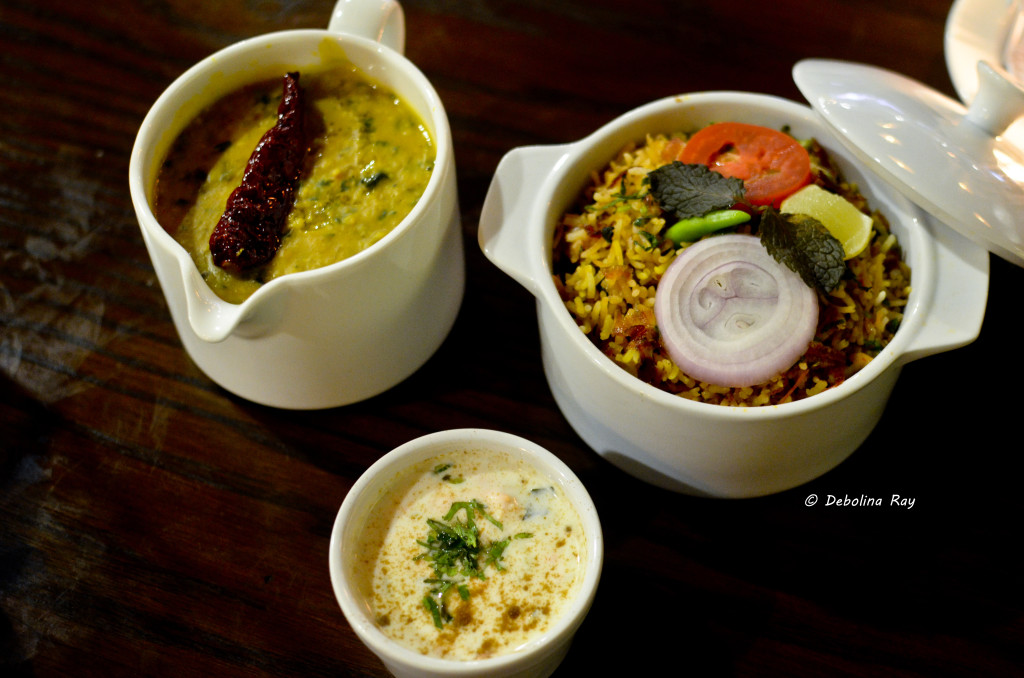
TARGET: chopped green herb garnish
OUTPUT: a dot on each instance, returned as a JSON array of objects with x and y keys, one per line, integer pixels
[
  {"x": 440, "y": 616},
  {"x": 455, "y": 549},
  {"x": 620, "y": 197},
  {"x": 693, "y": 190},
  {"x": 803, "y": 244},
  {"x": 448, "y": 478},
  {"x": 494, "y": 553},
  {"x": 371, "y": 181},
  {"x": 647, "y": 240}
]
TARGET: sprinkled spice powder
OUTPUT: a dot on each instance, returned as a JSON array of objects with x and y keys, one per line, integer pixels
[{"x": 471, "y": 555}]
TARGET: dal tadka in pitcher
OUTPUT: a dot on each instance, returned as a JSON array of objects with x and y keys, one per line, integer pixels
[{"x": 368, "y": 160}]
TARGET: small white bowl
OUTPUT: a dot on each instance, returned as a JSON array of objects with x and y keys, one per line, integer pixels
[
  {"x": 537, "y": 658},
  {"x": 700, "y": 448}
]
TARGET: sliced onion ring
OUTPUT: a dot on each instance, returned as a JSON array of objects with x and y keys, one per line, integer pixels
[{"x": 731, "y": 315}]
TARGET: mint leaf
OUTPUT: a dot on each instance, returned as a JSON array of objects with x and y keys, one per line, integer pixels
[
  {"x": 693, "y": 190},
  {"x": 803, "y": 244}
]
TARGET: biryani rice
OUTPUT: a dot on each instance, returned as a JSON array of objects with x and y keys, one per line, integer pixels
[{"x": 609, "y": 256}]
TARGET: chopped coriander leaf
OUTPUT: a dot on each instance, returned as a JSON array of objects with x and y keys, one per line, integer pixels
[
  {"x": 455, "y": 548},
  {"x": 494, "y": 553},
  {"x": 436, "y": 611},
  {"x": 441, "y": 468},
  {"x": 647, "y": 241},
  {"x": 471, "y": 507},
  {"x": 620, "y": 198},
  {"x": 372, "y": 180}
]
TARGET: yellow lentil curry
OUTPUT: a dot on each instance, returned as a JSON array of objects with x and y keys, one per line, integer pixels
[{"x": 369, "y": 160}]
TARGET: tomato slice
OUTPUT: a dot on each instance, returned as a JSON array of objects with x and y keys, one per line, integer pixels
[{"x": 771, "y": 163}]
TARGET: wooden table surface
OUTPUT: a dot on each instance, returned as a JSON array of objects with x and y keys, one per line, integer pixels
[{"x": 153, "y": 525}]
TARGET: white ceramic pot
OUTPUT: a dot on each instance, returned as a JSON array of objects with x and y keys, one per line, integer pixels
[
  {"x": 337, "y": 334},
  {"x": 694, "y": 447},
  {"x": 537, "y": 658}
]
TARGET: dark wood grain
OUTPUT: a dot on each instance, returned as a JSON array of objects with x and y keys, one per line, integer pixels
[{"x": 153, "y": 525}]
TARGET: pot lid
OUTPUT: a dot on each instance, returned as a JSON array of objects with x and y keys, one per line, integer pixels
[{"x": 965, "y": 166}]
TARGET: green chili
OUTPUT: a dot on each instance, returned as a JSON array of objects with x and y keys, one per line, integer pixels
[{"x": 694, "y": 228}]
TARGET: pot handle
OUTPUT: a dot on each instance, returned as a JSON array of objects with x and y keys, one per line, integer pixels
[
  {"x": 382, "y": 21},
  {"x": 505, "y": 217},
  {"x": 957, "y": 308}
]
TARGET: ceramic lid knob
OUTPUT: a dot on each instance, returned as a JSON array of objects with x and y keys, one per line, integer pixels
[{"x": 999, "y": 101}]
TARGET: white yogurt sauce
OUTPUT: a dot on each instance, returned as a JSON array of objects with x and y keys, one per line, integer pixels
[{"x": 541, "y": 575}]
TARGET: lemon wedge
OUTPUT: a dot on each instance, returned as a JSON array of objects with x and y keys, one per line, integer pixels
[{"x": 849, "y": 225}]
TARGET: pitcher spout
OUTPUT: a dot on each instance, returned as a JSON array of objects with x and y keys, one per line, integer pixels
[{"x": 213, "y": 320}]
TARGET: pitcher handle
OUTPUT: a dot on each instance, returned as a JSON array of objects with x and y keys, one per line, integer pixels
[{"x": 382, "y": 21}]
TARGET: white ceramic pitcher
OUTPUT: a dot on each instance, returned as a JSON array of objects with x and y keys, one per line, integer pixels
[{"x": 337, "y": 334}]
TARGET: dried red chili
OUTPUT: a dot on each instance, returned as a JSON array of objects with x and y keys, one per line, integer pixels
[{"x": 249, "y": 232}]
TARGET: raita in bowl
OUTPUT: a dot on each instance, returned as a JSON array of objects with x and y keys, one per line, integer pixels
[{"x": 467, "y": 552}]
